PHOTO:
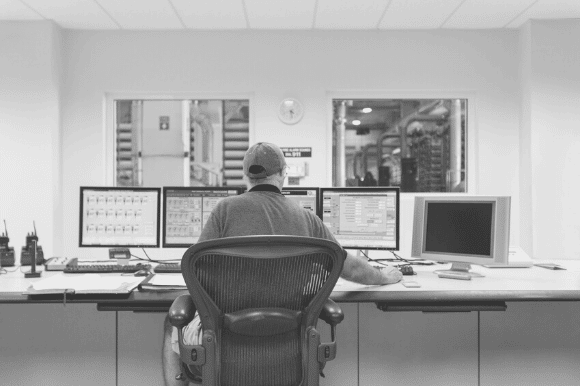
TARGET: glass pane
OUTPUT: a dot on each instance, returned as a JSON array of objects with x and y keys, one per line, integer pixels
[
  {"x": 181, "y": 142},
  {"x": 416, "y": 144}
]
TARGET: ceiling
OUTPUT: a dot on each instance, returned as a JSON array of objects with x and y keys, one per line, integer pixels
[{"x": 288, "y": 14}]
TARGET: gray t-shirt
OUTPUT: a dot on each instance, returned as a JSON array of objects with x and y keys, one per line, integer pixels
[{"x": 262, "y": 211}]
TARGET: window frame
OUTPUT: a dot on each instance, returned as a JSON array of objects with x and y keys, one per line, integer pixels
[
  {"x": 471, "y": 129},
  {"x": 109, "y": 119}
]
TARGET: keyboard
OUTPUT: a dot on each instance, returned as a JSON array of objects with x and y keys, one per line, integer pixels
[
  {"x": 106, "y": 268},
  {"x": 168, "y": 268}
]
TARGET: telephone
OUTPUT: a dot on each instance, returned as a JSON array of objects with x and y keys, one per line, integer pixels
[
  {"x": 60, "y": 263},
  {"x": 28, "y": 252},
  {"x": 6, "y": 251}
]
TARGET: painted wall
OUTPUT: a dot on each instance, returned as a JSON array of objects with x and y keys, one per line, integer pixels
[
  {"x": 555, "y": 138},
  {"x": 269, "y": 66},
  {"x": 30, "y": 65}
]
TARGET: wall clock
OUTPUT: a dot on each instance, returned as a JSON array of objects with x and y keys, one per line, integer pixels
[{"x": 290, "y": 111}]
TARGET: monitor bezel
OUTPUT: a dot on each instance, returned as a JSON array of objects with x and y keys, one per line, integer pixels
[
  {"x": 499, "y": 249},
  {"x": 391, "y": 189},
  {"x": 120, "y": 188},
  {"x": 238, "y": 190},
  {"x": 317, "y": 189}
]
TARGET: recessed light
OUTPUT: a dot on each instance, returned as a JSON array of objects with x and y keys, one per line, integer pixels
[
  {"x": 367, "y": 110},
  {"x": 356, "y": 122}
]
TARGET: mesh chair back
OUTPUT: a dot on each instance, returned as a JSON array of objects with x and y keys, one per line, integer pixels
[{"x": 261, "y": 273}]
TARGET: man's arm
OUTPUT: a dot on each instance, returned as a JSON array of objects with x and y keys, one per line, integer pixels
[{"x": 357, "y": 269}]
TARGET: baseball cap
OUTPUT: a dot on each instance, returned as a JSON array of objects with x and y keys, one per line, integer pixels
[{"x": 263, "y": 159}]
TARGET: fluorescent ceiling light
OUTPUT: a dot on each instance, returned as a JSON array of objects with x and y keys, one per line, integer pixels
[
  {"x": 367, "y": 110},
  {"x": 356, "y": 122}
]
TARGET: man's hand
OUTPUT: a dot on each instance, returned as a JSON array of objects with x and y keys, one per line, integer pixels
[
  {"x": 391, "y": 275},
  {"x": 358, "y": 270}
]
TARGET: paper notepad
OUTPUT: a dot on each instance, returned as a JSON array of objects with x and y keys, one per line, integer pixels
[{"x": 89, "y": 283}]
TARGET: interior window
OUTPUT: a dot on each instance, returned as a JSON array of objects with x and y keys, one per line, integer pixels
[
  {"x": 416, "y": 144},
  {"x": 181, "y": 142}
]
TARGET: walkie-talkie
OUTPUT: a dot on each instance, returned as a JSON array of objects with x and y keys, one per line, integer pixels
[
  {"x": 6, "y": 251},
  {"x": 28, "y": 251}
]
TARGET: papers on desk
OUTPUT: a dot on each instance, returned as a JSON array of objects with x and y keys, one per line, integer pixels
[
  {"x": 89, "y": 283},
  {"x": 347, "y": 286},
  {"x": 164, "y": 282}
]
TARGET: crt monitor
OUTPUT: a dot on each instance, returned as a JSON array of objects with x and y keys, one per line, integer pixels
[
  {"x": 307, "y": 198},
  {"x": 362, "y": 218},
  {"x": 462, "y": 230},
  {"x": 119, "y": 217},
  {"x": 186, "y": 210}
]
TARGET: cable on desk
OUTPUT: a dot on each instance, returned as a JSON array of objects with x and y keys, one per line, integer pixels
[
  {"x": 399, "y": 259},
  {"x": 379, "y": 261},
  {"x": 152, "y": 260},
  {"x": 4, "y": 271}
]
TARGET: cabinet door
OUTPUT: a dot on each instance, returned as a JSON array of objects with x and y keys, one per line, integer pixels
[
  {"x": 531, "y": 344},
  {"x": 140, "y": 339},
  {"x": 48, "y": 344},
  {"x": 415, "y": 348}
]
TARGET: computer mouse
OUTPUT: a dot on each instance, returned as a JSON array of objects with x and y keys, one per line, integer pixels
[
  {"x": 406, "y": 270},
  {"x": 142, "y": 272}
]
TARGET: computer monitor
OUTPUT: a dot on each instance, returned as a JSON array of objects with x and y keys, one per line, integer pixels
[
  {"x": 362, "y": 218},
  {"x": 119, "y": 217},
  {"x": 463, "y": 230},
  {"x": 307, "y": 198},
  {"x": 186, "y": 210}
]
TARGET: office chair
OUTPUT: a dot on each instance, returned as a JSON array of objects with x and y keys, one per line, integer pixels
[{"x": 259, "y": 299}]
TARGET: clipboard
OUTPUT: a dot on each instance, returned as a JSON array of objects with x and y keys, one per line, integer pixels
[{"x": 90, "y": 283}]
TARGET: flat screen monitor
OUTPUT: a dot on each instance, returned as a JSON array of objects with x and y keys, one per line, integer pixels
[
  {"x": 186, "y": 210},
  {"x": 362, "y": 218},
  {"x": 462, "y": 229},
  {"x": 119, "y": 217},
  {"x": 307, "y": 198}
]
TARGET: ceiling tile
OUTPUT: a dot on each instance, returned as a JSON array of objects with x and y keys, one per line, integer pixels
[
  {"x": 348, "y": 14},
  {"x": 15, "y": 10},
  {"x": 418, "y": 14},
  {"x": 280, "y": 14},
  {"x": 486, "y": 13},
  {"x": 548, "y": 9},
  {"x": 77, "y": 14},
  {"x": 223, "y": 14},
  {"x": 142, "y": 14}
]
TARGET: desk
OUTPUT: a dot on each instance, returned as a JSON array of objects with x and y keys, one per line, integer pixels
[
  {"x": 499, "y": 285},
  {"x": 535, "y": 342}
]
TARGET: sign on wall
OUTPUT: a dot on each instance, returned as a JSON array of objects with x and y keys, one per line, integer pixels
[
  {"x": 163, "y": 122},
  {"x": 296, "y": 152}
]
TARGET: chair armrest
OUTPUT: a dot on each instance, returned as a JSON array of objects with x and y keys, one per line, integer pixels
[
  {"x": 331, "y": 313},
  {"x": 182, "y": 311}
]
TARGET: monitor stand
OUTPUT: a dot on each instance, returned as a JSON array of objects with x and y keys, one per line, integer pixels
[{"x": 460, "y": 268}]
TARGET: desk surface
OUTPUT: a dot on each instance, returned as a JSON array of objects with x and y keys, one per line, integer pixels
[{"x": 499, "y": 284}]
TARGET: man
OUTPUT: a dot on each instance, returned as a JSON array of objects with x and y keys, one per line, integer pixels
[{"x": 263, "y": 210}]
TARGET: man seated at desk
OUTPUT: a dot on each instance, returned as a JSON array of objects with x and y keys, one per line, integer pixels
[{"x": 263, "y": 210}]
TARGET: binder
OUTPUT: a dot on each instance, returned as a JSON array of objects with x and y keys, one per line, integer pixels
[{"x": 163, "y": 282}]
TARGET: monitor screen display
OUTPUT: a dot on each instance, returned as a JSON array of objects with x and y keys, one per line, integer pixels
[
  {"x": 119, "y": 217},
  {"x": 459, "y": 227},
  {"x": 468, "y": 229},
  {"x": 362, "y": 218},
  {"x": 186, "y": 210},
  {"x": 307, "y": 198}
]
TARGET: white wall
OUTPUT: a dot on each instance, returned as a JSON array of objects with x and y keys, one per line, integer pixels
[
  {"x": 30, "y": 55},
  {"x": 308, "y": 65},
  {"x": 551, "y": 137}
]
